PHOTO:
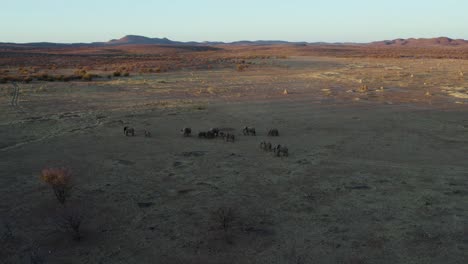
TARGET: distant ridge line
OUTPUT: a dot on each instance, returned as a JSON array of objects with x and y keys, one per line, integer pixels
[{"x": 142, "y": 40}]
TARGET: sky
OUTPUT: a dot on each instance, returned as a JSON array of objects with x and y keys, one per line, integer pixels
[{"x": 66, "y": 21}]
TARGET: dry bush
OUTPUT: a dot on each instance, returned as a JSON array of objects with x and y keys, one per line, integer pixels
[
  {"x": 241, "y": 67},
  {"x": 60, "y": 181},
  {"x": 363, "y": 88},
  {"x": 7, "y": 233},
  {"x": 27, "y": 79},
  {"x": 80, "y": 72},
  {"x": 117, "y": 74},
  {"x": 43, "y": 77},
  {"x": 71, "y": 78},
  {"x": 10, "y": 79},
  {"x": 35, "y": 257},
  {"x": 224, "y": 217},
  {"x": 70, "y": 220},
  {"x": 9, "y": 243},
  {"x": 87, "y": 77}
]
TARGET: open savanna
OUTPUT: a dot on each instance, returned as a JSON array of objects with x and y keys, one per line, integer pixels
[{"x": 376, "y": 171}]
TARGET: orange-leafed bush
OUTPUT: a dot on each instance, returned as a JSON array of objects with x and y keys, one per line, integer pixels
[
  {"x": 241, "y": 67},
  {"x": 60, "y": 181},
  {"x": 87, "y": 77}
]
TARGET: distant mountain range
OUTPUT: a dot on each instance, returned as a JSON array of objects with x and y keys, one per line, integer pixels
[
  {"x": 141, "y": 40},
  {"x": 442, "y": 41}
]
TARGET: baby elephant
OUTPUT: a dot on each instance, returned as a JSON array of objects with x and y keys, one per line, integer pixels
[
  {"x": 186, "y": 131},
  {"x": 147, "y": 133},
  {"x": 273, "y": 133},
  {"x": 129, "y": 131},
  {"x": 248, "y": 131},
  {"x": 281, "y": 150}
]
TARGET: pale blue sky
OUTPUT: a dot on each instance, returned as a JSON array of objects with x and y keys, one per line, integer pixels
[{"x": 218, "y": 20}]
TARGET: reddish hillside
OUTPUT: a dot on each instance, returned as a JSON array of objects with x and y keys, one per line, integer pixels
[
  {"x": 133, "y": 39},
  {"x": 442, "y": 41}
]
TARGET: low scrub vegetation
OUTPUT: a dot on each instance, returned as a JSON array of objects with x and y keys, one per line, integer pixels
[
  {"x": 241, "y": 67},
  {"x": 87, "y": 77},
  {"x": 35, "y": 256},
  {"x": 70, "y": 220},
  {"x": 25, "y": 77},
  {"x": 224, "y": 218},
  {"x": 59, "y": 179}
]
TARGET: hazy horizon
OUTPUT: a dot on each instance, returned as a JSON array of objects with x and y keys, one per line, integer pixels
[{"x": 207, "y": 20}]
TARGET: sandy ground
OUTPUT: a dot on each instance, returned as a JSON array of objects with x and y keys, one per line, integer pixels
[{"x": 372, "y": 177}]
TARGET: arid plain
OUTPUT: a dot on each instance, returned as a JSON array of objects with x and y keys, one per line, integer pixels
[{"x": 376, "y": 172}]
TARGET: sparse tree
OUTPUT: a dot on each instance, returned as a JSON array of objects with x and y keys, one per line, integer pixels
[{"x": 60, "y": 181}]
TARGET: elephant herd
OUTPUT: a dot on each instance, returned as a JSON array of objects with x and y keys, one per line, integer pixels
[{"x": 213, "y": 133}]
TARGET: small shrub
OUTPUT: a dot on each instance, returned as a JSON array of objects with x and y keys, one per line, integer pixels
[
  {"x": 70, "y": 220},
  {"x": 43, "y": 77},
  {"x": 35, "y": 257},
  {"x": 80, "y": 72},
  {"x": 87, "y": 77},
  {"x": 117, "y": 74},
  {"x": 27, "y": 79},
  {"x": 60, "y": 181},
  {"x": 363, "y": 88},
  {"x": 224, "y": 217},
  {"x": 13, "y": 79},
  {"x": 241, "y": 67},
  {"x": 71, "y": 78},
  {"x": 7, "y": 233}
]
